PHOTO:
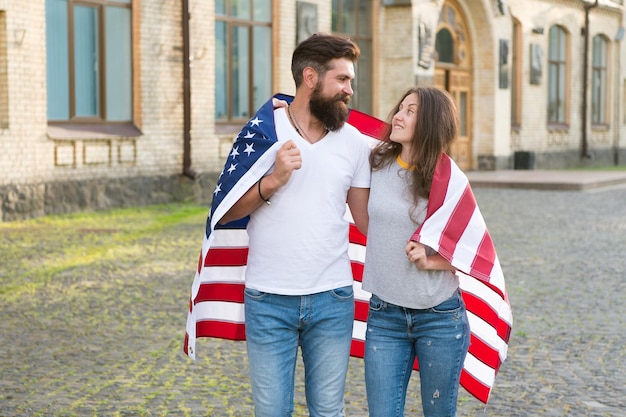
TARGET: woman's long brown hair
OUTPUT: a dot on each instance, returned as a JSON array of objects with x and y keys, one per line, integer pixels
[{"x": 435, "y": 129}]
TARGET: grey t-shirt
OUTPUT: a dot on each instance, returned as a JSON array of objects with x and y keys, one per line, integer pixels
[{"x": 388, "y": 273}]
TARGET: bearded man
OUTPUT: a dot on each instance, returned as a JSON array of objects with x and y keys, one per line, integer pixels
[{"x": 298, "y": 279}]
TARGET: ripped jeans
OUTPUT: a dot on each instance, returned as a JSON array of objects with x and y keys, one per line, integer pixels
[{"x": 438, "y": 337}]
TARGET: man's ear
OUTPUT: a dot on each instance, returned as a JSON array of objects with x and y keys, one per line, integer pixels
[{"x": 310, "y": 77}]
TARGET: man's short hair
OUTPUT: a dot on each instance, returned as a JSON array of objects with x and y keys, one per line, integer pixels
[{"x": 318, "y": 50}]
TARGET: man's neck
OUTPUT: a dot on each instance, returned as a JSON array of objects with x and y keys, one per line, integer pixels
[{"x": 307, "y": 125}]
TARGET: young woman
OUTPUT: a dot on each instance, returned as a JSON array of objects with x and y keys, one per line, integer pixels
[{"x": 416, "y": 309}]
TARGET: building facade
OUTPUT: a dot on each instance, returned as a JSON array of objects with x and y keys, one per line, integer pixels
[{"x": 108, "y": 103}]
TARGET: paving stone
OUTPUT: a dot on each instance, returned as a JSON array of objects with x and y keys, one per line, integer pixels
[{"x": 91, "y": 332}]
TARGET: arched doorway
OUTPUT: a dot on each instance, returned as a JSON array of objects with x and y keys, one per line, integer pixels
[{"x": 453, "y": 72}]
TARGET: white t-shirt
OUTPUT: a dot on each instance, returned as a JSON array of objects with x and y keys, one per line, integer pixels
[{"x": 299, "y": 244}]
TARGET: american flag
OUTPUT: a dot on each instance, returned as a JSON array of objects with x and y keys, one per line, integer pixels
[
  {"x": 455, "y": 228},
  {"x": 216, "y": 306}
]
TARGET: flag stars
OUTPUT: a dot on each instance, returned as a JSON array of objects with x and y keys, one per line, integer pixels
[
  {"x": 218, "y": 188},
  {"x": 232, "y": 168},
  {"x": 234, "y": 152},
  {"x": 249, "y": 148},
  {"x": 249, "y": 135},
  {"x": 256, "y": 121}
]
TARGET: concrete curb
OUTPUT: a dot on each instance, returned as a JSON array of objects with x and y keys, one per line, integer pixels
[{"x": 547, "y": 179}]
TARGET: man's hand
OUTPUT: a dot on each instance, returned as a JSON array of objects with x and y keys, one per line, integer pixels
[
  {"x": 279, "y": 103},
  {"x": 288, "y": 159}
]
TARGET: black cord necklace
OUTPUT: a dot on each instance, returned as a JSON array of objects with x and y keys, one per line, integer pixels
[{"x": 299, "y": 129}]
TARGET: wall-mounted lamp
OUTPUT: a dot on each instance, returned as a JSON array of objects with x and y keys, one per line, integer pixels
[
  {"x": 538, "y": 30},
  {"x": 18, "y": 35},
  {"x": 199, "y": 54}
]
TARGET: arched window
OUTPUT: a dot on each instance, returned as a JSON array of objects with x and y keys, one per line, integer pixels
[
  {"x": 557, "y": 76},
  {"x": 452, "y": 39},
  {"x": 599, "y": 81}
]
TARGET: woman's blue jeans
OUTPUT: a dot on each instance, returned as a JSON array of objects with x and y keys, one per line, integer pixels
[
  {"x": 322, "y": 325},
  {"x": 438, "y": 337}
]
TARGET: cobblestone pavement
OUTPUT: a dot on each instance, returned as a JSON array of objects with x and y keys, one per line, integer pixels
[{"x": 94, "y": 309}]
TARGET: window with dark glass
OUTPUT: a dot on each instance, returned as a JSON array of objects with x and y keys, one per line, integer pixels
[
  {"x": 444, "y": 44},
  {"x": 89, "y": 60},
  {"x": 557, "y": 75},
  {"x": 353, "y": 18},
  {"x": 243, "y": 58},
  {"x": 599, "y": 81}
]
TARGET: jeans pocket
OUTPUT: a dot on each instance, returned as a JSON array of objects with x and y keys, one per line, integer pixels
[
  {"x": 343, "y": 293},
  {"x": 254, "y": 294},
  {"x": 376, "y": 304},
  {"x": 451, "y": 305}
]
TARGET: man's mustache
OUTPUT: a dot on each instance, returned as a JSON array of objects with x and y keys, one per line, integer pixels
[{"x": 344, "y": 98}]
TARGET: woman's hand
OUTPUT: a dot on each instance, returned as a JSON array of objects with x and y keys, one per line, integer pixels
[{"x": 416, "y": 252}]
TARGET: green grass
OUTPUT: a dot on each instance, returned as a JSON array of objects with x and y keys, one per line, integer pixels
[{"x": 37, "y": 250}]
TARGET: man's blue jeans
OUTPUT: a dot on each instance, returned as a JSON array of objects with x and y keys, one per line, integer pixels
[
  {"x": 438, "y": 337},
  {"x": 322, "y": 325}
]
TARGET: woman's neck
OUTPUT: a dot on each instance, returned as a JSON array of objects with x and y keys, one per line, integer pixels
[
  {"x": 403, "y": 164},
  {"x": 405, "y": 154}
]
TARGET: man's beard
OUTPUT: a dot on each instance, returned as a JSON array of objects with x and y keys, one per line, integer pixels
[{"x": 331, "y": 111}]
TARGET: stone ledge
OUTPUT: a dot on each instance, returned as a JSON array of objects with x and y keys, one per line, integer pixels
[{"x": 19, "y": 202}]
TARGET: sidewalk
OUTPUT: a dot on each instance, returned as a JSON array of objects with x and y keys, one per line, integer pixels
[
  {"x": 94, "y": 307},
  {"x": 547, "y": 179}
]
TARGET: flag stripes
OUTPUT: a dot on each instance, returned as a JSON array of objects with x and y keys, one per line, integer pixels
[
  {"x": 226, "y": 257},
  {"x": 454, "y": 227}
]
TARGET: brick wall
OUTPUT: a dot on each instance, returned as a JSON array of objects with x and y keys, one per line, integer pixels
[
  {"x": 25, "y": 154},
  {"x": 36, "y": 160}
]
